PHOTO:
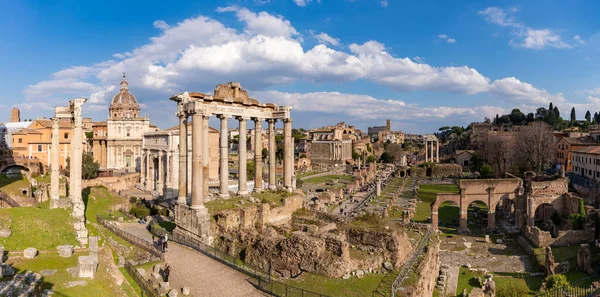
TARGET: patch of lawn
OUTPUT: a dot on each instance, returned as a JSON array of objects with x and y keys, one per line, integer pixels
[
  {"x": 329, "y": 178},
  {"x": 427, "y": 196},
  {"x": 332, "y": 286},
  {"x": 218, "y": 205},
  {"x": 98, "y": 201},
  {"x": 43, "y": 229},
  {"x": 274, "y": 198},
  {"x": 12, "y": 185}
]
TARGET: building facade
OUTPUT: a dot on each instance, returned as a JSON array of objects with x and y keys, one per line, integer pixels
[
  {"x": 36, "y": 141},
  {"x": 586, "y": 162},
  {"x": 124, "y": 131},
  {"x": 567, "y": 145}
]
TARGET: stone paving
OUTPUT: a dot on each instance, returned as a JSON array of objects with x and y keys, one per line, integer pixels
[{"x": 204, "y": 276}]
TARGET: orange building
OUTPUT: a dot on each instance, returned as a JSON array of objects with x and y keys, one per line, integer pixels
[
  {"x": 565, "y": 147},
  {"x": 36, "y": 141}
]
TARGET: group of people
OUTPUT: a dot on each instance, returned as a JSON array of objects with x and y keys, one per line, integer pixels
[{"x": 162, "y": 242}]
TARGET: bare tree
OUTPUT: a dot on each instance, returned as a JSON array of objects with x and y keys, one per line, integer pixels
[
  {"x": 500, "y": 152},
  {"x": 535, "y": 145}
]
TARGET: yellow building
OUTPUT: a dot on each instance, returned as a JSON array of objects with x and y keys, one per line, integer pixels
[{"x": 36, "y": 141}]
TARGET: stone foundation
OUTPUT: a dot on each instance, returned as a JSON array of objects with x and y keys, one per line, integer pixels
[{"x": 193, "y": 222}]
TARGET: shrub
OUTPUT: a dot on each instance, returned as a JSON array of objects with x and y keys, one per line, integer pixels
[
  {"x": 577, "y": 221},
  {"x": 512, "y": 289},
  {"x": 132, "y": 199},
  {"x": 139, "y": 211},
  {"x": 556, "y": 281},
  {"x": 485, "y": 171}
]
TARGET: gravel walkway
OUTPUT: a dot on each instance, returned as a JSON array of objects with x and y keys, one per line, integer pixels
[{"x": 204, "y": 276}]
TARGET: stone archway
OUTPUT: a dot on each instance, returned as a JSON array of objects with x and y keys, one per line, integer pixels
[
  {"x": 448, "y": 212},
  {"x": 546, "y": 217},
  {"x": 478, "y": 211}
]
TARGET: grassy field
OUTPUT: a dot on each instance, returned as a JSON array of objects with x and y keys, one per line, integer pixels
[
  {"x": 13, "y": 185},
  {"x": 505, "y": 282},
  {"x": 43, "y": 229},
  {"x": 427, "y": 196},
  {"x": 101, "y": 285},
  {"x": 352, "y": 287},
  {"x": 328, "y": 178}
]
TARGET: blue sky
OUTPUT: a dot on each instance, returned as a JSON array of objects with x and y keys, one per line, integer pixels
[{"x": 422, "y": 64}]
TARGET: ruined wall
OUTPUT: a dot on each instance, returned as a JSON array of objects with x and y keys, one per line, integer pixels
[
  {"x": 541, "y": 238},
  {"x": 283, "y": 214},
  {"x": 393, "y": 245},
  {"x": 428, "y": 269},
  {"x": 418, "y": 171},
  {"x": 446, "y": 170}
]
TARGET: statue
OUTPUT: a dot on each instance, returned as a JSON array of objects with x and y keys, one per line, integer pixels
[{"x": 549, "y": 261}]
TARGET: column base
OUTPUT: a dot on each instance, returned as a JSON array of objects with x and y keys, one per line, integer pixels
[
  {"x": 224, "y": 195},
  {"x": 182, "y": 200},
  {"x": 272, "y": 188},
  {"x": 242, "y": 193},
  {"x": 257, "y": 190},
  {"x": 198, "y": 207}
]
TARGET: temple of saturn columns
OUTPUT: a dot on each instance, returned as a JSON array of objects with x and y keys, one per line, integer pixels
[
  {"x": 430, "y": 141},
  {"x": 229, "y": 101},
  {"x": 73, "y": 113}
]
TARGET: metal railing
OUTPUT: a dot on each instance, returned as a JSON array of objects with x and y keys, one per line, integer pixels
[
  {"x": 261, "y": 280},
  {"x": 585, "y": 287},
  {"x": 411, "y": 262},
  {"x": 139, "y": 242},
  {"x": 147, "y": 289},
  {"x": 6, "y": 198}
]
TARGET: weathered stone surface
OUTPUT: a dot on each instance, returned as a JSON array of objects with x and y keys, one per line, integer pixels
[
  {"x": 48, "y": 272},
  {"x": 360, "y": 273},
  {"x": 185, "y": 291},
  {"x": 1, "y": 254},
  {"x": 163, "y": 288},
  {"x": 173, "y": 293},
  {"x": 87, "y": 266},
  {"x": 65, "y": 251},
  {"x": 7, "y": 270},
  {"x": 75, "y": 283},
  {"x": 584, "y": 259},
  {"x": 30, "y": 253},
  {"x": 156, "y": 268},
  {"x": 388, "y": 266},
  {"x": 5, "y": 232},
  {"x": 141, "y": 271}
]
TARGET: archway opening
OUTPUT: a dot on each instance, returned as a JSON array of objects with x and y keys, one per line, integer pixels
[
  {"x": 448, "y": 218},
  {"x": 477, "y": 216},
  {"x": 505, "y": 210},
  {"x": 547, "y": 219},
  {"x": 401, "y": 173}
]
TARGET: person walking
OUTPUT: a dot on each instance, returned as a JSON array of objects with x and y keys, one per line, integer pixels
[{"x": 165, "y": 239}]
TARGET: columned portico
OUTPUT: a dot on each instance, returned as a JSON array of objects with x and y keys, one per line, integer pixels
[
  {"x": 242, "y": 158},
  {"x": 182, "y": 187},
  {"x": 288, "y": 152}
]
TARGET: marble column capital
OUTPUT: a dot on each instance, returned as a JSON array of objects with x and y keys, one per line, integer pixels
[
  {"x": 242, "y": 118},
  {"x": 271, "y": 121},
  {"x": 223, "y": 116},
  {"x": 55, "y": 123},
  {"x": 260, "y": 120}
]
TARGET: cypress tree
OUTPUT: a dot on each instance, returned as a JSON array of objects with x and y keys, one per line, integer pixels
[{"x": 573, "y": 118}]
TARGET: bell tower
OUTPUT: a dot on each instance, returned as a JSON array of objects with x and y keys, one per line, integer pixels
[{"x": 15, "y": 115}]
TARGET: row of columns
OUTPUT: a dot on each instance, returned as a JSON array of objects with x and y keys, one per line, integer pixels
[
  {"x": 161, "y": 171},
  {"x": 200, "y": 156},
  {"x": 429, "y": 157}
]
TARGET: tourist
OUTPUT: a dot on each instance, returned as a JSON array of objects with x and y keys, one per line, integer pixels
[
  {"x": 167, "y": 272},
  {"x": 165, "y": 242}
]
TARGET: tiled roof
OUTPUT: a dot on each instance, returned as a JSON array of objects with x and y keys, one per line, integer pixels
[
  {"x": 27, "y": 131},
  {"x": 581, "y": 141},
  {"x": 65, "y": 123},
  {"x": 592, "y": 149}
]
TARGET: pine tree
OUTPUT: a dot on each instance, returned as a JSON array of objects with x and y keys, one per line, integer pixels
[
  {"x": 551, "y": 107},
  {"x": 588, "y": 117},
  {"x": 573, "y": 118},
  {"x": 556, "y": 112}
]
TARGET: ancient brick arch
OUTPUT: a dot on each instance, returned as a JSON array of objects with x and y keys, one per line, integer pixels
[
  {"x": 30, "y": 164},
  {"x": 488, "y": 191}
]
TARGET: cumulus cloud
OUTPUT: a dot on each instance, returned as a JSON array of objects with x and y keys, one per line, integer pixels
[
  {"x": 326, "y": 38},
  {"x": 527, "y": 37},
  {"x": 200, "y": 52},
  {"x": 160, "y": 24},
  {"x": 367, "y": 107},
  {"x": 302, "y": 3},
  {"x": 384, "y": 3},
  {"x": 578, "y": 39}
]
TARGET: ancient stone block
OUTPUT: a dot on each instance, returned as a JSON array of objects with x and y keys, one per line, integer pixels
[
  {"x": 30, "y": 253},
  {"x": 173, "y": 293},
  {"x": 5, "y": 232},
  {"x": 65, "y": 251},
  {"x": 185, "y": 291},
  {"x": 141, "y": 271},
  {"x": 86, "y": 266},
  {"x": 163, "y": 288},
  {"x": 584, "y": 259}
]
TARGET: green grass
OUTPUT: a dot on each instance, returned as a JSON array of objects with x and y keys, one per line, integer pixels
[
  {"x": 101, "y": 285},
  {"x": 332, "y": 286},
  {"x": 218, "y": 205},
  {"x": 427, "y": 196},
  {"x": 43, "y": 229},
  {"x": 565, "y": 253},
  {"x": 504, "y": 281},
  {"x": 328, "y": 178},
  {"x": 275, "y": 199},
  {"x": 13, "y": 185}
]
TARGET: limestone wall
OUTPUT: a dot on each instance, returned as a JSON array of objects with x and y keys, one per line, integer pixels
[
  {"x": 418, "y": 172},
  {"x": 394, "y": 246},
  {"x": 283, "y": 214},
  {"x": 541, "y": 238},
  {"x": 446, "y": 170},
  {"x": 114, "y": 183}
]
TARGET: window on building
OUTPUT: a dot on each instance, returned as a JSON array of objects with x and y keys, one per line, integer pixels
[
  {"x": 39, "y": 147},
  {"x": 66, "y": 135},
  {"x": 128, "y": 133},
  {"x": 20, "y": 140}
]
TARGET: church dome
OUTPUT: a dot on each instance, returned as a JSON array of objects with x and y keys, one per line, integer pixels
[{"x": 124, "y": 104}]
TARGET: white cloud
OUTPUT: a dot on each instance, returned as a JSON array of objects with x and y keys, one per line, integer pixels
[
  {"x": 160, "y": 24},
  {"x": 367, "y": 107},
  {"x": 578, "y": 39},
  {"x": 384, "y": 3},
  {"x": 302, "y": 2},
  {"x": 419, "y": 59},
  {"x": 539, "y": 39},
  {"x": 446, "y": 38},
  {"x": 515, "y": 91},
  {"x": 62, "y": 86},
  {"x": 75, "y": 72},
  {"x": 528, "y": 37},
  {"x": 262, "y": 23},
  {"x": 326, "y": 38}
]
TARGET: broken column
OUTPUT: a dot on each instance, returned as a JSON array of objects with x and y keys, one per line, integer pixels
[
  {"x": 55, "y": 159},
  {"x": 78, "y": 211}
]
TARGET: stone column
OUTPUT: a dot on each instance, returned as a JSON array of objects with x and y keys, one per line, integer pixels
[
  {"x": 183, "y": 150},
  {"x": 197, "y": 170},
  {"x": 426, "y": 160},
  {"x": 462, "y": 218},
  {"x": 434, "y": 219},
  {"x": 431, "y": 154},
  {"x": 55, "y": 175},
  {"x": 491, "y": 221},
  {"x": 143, "y": 168},
  {"x": 224, "y": 158},
  {"x": 161, "y": 173},
  {"x": 288, "y": 154},
  {"x": 149, "y": 179},
  {"x": 78, "y": 211},
  {"x": 242, "y": 158},
  {"x": 378, "y": 192},
  {"x": 437, "y": 151},
  {"x": 205, "y": 153},
  {"x": 168, "y": 173},
  {"x": 272, "y": 154},
  {"x": 258, "y": 161}
]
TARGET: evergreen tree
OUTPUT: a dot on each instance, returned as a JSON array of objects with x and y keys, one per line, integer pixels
[
  {"x": 573, "y": 118},
  {"x": 551, "y": 107},
  {"x": 556, "y": 112},
  {"x": 588, "y": 117}
]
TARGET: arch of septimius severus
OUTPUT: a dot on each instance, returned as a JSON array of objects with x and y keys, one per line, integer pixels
[{"x": 229, "y": 101}]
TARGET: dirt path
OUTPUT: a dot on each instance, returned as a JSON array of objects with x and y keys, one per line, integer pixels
[{"x": 204, "y": 276}]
